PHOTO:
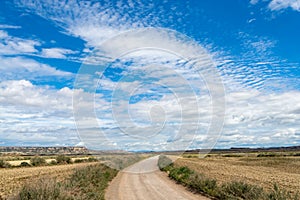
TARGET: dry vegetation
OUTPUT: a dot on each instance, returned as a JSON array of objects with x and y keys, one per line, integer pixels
[
  {"x": 231, "y": 177},
  {"x": 12, "y": 179},
  {"x": 264, "y": 171},
  {"x": 46, "y": 173}
]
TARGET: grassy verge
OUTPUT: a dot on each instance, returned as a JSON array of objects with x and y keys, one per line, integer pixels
[
  {"x": 199, "y": 183},
  {"x": 85, "y": 183}
]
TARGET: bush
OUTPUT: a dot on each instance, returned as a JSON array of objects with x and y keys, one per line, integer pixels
[
  {"x": 240, "y": 190},
  {"x": 267, "y": 155},
  {"x": 62, "y": 159},
  {"x": 200, "y": 183},
  {"x": 53, "y": 162},
  {"x": 92, "y": 159},
  {"x": 181, "y": 175},
  {"x": 4, "y": 164},
  {"x": 79, "y": 160},
  {"x": 163, "y": 162},
  {"x": 42, "y": 189},
  {"x": 25, "y": 164},
  {"x": 37, "y": 161},
  {"x": 232, "y": 155},
  {"x": 280, "y": 194}
]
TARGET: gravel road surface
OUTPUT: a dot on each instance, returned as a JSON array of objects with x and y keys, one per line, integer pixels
[{"x": 144, "y": 181}]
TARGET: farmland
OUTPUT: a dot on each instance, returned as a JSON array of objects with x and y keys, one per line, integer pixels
[
  {"x": 12, "y": 179},
  {"x": 260, "y": 169},
  {"x": 56, "y": 169}
]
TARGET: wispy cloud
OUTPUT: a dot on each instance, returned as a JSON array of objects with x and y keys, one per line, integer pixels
[
  {"x": 7, "y": 26},
  {"x": 283, "y": 4},
  {"x": 276, "y": 5}
]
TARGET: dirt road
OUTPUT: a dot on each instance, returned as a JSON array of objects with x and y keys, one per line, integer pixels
[{"x": 143, "y": 181}]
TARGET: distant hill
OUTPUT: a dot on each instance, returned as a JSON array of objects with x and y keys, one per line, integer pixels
[
  {"x": 85, "y": 151},
  {"x": 249, "y": 150},
  {"x": 44, "y": 150}
]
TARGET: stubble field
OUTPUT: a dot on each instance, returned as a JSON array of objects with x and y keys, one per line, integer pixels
[{"x": 261, "y": 171}]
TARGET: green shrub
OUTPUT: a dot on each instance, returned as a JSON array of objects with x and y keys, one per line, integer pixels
[
  {"x": 62, "y": 159},
  {"x": 181, "y": 175},
  {"x": 241, "y": 190},
  {"x": 37, "y": 161},
  {"x": 92, "y": 159},
  {"x": 280, "y": 194},
  {"x": 42, "y": 189},
  {"x": 163, "y": 162},
  {"x": 53, "y": 162},
  {"x": 200, "y": 183},
  {"x": 232, "y": 155},
  {"x": 79, "y": 160},
  {"x": 25, "y": 164},
  {"x": 4, "y": 164},
  {"x": 267, "y": 155}
]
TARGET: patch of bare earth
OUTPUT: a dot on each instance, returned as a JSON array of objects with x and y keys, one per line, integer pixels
[
  {"x": 264, "y": 172},
  {"x": 12, "y": 179}
]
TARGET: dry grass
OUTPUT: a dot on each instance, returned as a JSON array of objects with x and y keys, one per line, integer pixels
[
  {"x": 11, "y": 180},
  {"x": 261, "y": 171}
]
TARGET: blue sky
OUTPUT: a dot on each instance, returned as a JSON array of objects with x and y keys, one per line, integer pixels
[{"x": 133, "y": 104}]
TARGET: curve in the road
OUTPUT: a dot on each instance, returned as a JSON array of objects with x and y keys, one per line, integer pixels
[{"x": 143, "y": 181}]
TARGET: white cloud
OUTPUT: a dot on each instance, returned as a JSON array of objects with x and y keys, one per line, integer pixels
[
  {"x": 31, "y": 114},
  {"x": 254, "y": 2},
  {"x": 56, "y": 52},
  {"x": 283, "y": 4},
  {"x": 276, "y": 5},
  {"x": 6, "y": 26},
  {"x": 96, "y": 22},
  {"x": 10, "y": 45},
  {"x": 253, "y": 116},
  {"x": 18, "y": 67}
]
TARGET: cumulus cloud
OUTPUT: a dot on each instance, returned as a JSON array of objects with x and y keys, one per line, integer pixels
[
  {"x": 56, "y": 52},
  {"x": 12, "y": 68},
  {"x": 32, "y": 114},
  {"x": 10, "y": 45}
]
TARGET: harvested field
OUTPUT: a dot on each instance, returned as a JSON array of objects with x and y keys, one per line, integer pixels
[
  {"x": 12, "y": 179},
  {"x": 261, "y": 171}
]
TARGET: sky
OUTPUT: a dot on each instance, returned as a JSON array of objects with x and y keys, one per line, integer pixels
[{"x": 150, "y": 75}]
